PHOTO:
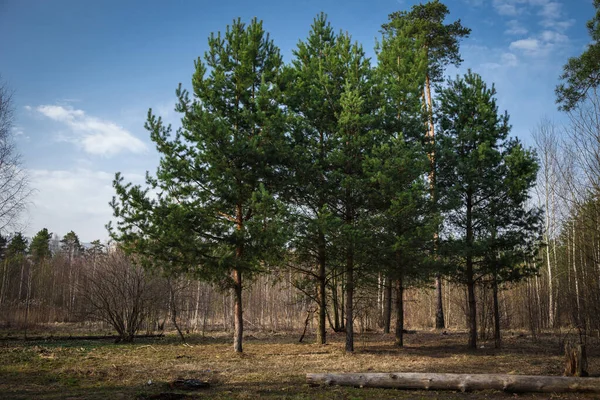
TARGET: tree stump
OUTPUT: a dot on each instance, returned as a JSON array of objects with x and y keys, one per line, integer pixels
[{"x": 575, "y": 360}]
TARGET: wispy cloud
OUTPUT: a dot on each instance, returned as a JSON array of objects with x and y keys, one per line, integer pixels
[
  {"x": 540, "y": 45},
  {"x": 514, "y": 27},
  {"x": 550, "y": 13},
  {"x": 506, "y": 7},
  {"x": 93, "y": 135},
  {"x": 550, "y": 10},
  {"x": 509, "y": 59},
  {"x": 529, "y": 45}
]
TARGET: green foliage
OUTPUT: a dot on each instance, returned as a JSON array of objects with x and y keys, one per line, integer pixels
[
  {"x": 211, "y": 207},
  {"x": 70, "y": 244},
  {"x": 483, "y": 179},
  {"x": 17, "y": 245},
  {"x": 581, "y": 74},
  {"x": 424, "y": 23},
  {"x": 39, "y": 248},
  {"x": 399, "y": 162}
]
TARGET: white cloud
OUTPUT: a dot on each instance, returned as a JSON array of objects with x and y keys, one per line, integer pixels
[
  {"x": 94, "y": 135},
  {"x": 515, "y": 28},
  {"x": 551, "y": 13},
  {"x": 73, "y": 200},
  {"x": 555, "y": 37},
  {"x": 506, "y": 8},
  {"x": 527, "y": 45},
  {"x": 28, "y": 108},
  {"x": 509, "y": 60},
  {"x": 551, "y": 10},
  {"x": 540, "y": 45},
  {"x": 559, "y": 26}
]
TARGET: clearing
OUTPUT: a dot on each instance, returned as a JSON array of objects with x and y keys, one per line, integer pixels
[{"x": 273, "y": 366}]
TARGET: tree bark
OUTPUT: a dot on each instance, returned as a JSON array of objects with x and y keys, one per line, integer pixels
[
  {"x": 399, "y": 312},
  {"x": 387, "y": 305},
  {"x": 350, "y": 301},
  {"x": 322, "y": 332},
  {"x": 470, "y": 277},
  {"x": 462, "y": 382},
  {"x": 238, "y": 334},
  {"x": 439, "y": 311},
  {"x": 497, "y": 336}
]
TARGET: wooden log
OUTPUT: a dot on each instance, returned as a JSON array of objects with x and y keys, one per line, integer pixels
[
  {"x": 61, "y": 338},
  {"x": 462, "y": 382}
]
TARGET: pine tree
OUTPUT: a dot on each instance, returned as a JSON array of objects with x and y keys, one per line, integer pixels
[
  {"x": 581, "y": 74},
  {"x": 424, "y": 25},
  {"x": 313, "y": 95},
  {"x": 513, "y": 228},
  {"x": 397, "y": 167},
  {"x": 39, "y": 248},
  {"x": 470, "y": 157},
  {"x": 71, "y": 246},
  {"x": 215, "y": 213}
]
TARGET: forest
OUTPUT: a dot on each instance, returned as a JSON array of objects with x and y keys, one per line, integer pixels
[{"x": 378, "y": 211}]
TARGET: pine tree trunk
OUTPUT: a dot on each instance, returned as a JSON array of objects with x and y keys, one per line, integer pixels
[
  {"x": 349, "y": 301},
  {"x": 237, "y": 311},
  {"x": 337, "y": 326},
  {"x": 322, "y": 332},
  {"x": 497, "y": 337},
  {"x": 387, "y": 305},
  {"x": 399, "y": 312},
  {"x": 470, "y": 277},
  {"x": 439, "y": 312},
  {"x": 238, "y": 334}
]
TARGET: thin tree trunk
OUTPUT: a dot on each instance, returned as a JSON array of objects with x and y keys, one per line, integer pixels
[
  {"x": 387, "y": 305},
  {"x": 335, "y": 304},
  {"x": 497, "y": 337},
  {"x": 21, "y": 280},
  {"x": 470, "y": 277},
  {"x": 237, "y": 288},
  {"x": 399, "y": 312},
  {"x": 548, "y": 264},
  {"x": 576, "y": 279},
  {"x": 173, "y": 308},
  {"x": 237, "y": 311},
  {"x": 440, "y": 323},
  {"x": 322, "y": 331},
  {"x": 4, "y": 279},
  {"x": 349, "y": 301}
]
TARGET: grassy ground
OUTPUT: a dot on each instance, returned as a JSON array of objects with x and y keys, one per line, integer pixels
[{"x": 272, "y": 366}]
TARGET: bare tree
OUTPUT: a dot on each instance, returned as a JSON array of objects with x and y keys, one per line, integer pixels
[
  {"x": 14, "y": 182},
  {"x": 121, "y": 294}
]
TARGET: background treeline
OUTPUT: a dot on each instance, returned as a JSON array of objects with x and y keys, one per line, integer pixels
[{"x": 56, "y": 290}]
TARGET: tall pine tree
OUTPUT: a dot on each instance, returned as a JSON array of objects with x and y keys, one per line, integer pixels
[
  {"x": 471, "y": 149},
  {"x": 424, "y": 26},
  {"x": 215, "y": 213}
]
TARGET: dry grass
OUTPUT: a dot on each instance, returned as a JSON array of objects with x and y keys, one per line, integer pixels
[{"x": 272, "y": 366}]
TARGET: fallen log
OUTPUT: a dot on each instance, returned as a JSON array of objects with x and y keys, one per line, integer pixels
[
  {"x": 462, "y": 382},
  {"x": 83, "y": 337}
]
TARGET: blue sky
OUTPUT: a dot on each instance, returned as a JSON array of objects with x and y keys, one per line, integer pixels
[{"x": 85, "y": 73}]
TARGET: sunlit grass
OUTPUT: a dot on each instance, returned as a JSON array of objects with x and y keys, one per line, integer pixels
[{"x": 272, "y": 366}]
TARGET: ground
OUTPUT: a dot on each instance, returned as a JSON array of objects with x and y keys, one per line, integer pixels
[{"x": 273, "y": 366}]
